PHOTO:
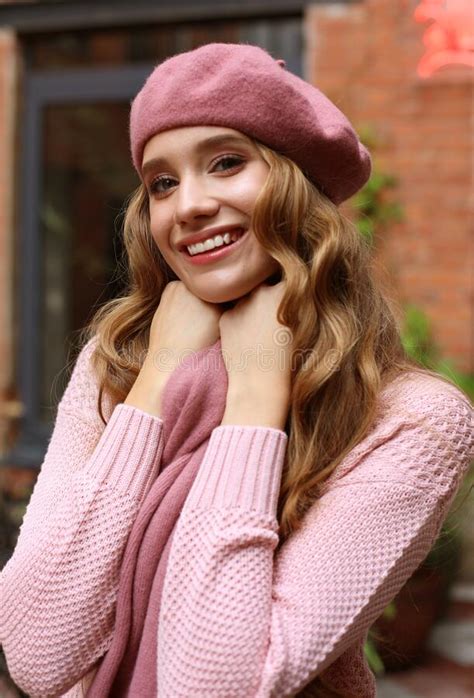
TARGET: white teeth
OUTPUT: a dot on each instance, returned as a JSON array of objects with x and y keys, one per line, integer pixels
[{"x": 211, "y": 243}]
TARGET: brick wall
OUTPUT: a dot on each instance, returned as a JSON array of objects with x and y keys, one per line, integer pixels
[{"x": 364, "y": 56}]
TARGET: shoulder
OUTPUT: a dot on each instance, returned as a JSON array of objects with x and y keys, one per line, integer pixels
[
  {"x": 424, "y": 428},
  {"x": 417, "y": 397},
  {"x": 82, "y": 391},
  {"x": 432, "y": 423}
]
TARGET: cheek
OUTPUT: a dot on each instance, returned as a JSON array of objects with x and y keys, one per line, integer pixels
[
  {"x": 253, "y": 184},
  {"x": 248, "y": 191},
  {"x": 159, "y": 228}
]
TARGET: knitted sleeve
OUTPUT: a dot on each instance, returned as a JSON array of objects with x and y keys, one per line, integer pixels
[
  {"x": 238, "y": 621},
  {"x": 59, "y": 588}
]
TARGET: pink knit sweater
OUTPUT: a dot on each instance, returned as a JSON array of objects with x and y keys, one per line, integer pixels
[{"x": 236, "y": 619}]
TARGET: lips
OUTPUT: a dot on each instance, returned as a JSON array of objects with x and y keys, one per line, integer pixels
[
  {"x": 204, "y": 258},
  {"x": 240, "y": 232},
  {"x": 209, "y": 233}
]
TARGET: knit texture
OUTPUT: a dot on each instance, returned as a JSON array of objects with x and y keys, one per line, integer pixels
[
  {"x": 58, "y": 590},
  {"x": 236, "y": 622},
  {"x": 235, "y": 619},
  {"x": 197, "y": 387}
]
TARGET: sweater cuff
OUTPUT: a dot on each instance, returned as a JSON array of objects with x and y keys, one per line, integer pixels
[
  {"x": 128, "y": 454},
  {"x": 242, "y": 467}
]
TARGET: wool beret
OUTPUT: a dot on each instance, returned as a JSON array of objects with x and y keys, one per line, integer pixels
[{"x": 243, "y": 87}]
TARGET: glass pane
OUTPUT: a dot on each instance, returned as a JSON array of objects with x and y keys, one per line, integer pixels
[{"x": 87, "y": 175}]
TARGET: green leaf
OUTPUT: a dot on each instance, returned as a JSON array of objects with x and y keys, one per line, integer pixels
[{"x": 373, "y": 657}]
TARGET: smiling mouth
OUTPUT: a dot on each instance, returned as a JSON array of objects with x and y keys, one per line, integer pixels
[{"x": 240, "y": 232}]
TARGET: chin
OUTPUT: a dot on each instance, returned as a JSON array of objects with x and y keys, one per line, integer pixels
[
  {"x": 224, "y": 297},
  {"x": 230, "y": 296}
]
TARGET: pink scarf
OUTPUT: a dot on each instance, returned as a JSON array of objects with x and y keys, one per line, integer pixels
[{"x": 193, "y": 405}]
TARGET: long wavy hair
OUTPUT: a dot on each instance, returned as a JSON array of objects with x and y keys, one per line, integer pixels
[{"x": 345, "y": 339}]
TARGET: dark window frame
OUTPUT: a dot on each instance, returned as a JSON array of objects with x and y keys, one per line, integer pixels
[
  {"x": 54, "y": 16},
  {"x": 41, "y": 88}
]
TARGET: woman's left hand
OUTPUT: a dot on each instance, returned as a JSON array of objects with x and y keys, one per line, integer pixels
[{"x": 256, "y": 350}]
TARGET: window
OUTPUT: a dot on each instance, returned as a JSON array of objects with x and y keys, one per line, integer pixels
[{"x": 75, "y": 177}]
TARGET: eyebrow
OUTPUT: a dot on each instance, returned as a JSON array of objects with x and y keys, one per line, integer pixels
[{"x": 201, "y": 147}]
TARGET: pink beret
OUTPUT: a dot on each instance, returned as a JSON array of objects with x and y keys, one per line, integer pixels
[{"x": 242, "y": 87}]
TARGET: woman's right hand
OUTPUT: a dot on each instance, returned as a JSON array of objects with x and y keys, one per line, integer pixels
[{"x": 182, "y": 324}]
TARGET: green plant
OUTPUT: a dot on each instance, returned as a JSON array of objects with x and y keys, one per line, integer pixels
[
  {"x": 375, "y": 210},
  {"x": 370, "y": 648},
  {"x": 418, "y": 341},
  {"x": 374, "y": 206}
]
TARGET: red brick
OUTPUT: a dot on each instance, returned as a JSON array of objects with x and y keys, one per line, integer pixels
[{"x": 425, "y": 128}]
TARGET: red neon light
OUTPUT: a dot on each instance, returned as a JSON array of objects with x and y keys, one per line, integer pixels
[{"x": 449, "y": 40}]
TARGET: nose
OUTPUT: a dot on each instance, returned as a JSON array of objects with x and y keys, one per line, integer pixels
[{"x": 194, "y": 200}]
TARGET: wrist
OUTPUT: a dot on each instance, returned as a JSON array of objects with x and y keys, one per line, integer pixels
[
  {"x": 250, "y": 407},
  {"x": 252, "y": 419},
  {"x": 147, "y": 391}
]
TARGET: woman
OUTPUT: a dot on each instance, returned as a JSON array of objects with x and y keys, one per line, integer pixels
[{"x": 245, "y": 468}]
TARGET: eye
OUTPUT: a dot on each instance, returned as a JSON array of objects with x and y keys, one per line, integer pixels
[
  {"x": 160, "y": 184},
  {"x": 229, "y": 162}
]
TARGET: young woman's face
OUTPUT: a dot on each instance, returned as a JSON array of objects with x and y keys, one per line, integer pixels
[{"x": 203, "y": 181}]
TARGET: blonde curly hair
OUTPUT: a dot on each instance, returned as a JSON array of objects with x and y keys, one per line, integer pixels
[{"x": 346, "y": 342}]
